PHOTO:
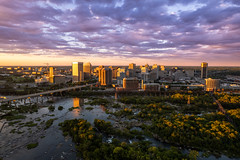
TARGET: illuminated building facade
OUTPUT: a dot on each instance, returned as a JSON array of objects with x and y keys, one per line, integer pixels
[
  {"x": 77, "y": 72},
  {"x": 130, "y": 83},
  {"x": 204, "y": 68},
  {"x": 106, "y": 76},
  {"x": 212, "y": 84},
  {"x": 87, "y": 69},
  {"x": 51, "y": 74}
]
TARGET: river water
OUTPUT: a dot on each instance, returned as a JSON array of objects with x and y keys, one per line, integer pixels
[{"x": 52, "y": 144}]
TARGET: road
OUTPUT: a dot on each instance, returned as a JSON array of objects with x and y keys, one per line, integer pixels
[{"x": 44, "y": 93}]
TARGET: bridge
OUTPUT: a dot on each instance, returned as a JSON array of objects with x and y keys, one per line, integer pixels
[{"x": 43, "y": 93}]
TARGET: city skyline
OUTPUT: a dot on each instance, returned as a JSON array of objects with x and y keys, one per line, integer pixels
[{"x": 119, "y": 32}]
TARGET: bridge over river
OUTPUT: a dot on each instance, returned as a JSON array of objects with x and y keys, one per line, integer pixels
[{"x": 44, "y": 93}]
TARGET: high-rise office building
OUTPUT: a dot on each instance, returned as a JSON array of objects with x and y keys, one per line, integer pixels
[
  {"x": 146, "y": 65},
  {"x": 132, "y": 70},
  {"x": 99, "y": 72},
  {"x": 130, "y": 73},
  {"x": 155, "y": 66},
  {"x": 106, "y": 76},
  {"x": 162, "y": 68},
  {"x": 132, "y": 66},
  {"x": 51, "y": 73},
  {"x": 77, "y": 72},
  {"x": 144, "y": 70},
  {"x": 204, "y": 68},
  {"x": 87, "y": 69},
  {"x": 114, "y": 71}
]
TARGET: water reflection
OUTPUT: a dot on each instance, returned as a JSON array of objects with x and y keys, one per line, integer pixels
[
  {"x": 77, "y": 102},
  {"x": 103, "y": 108}
]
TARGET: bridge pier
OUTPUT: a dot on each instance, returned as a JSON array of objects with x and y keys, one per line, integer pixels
[
  {"x": 14, "y": 101},
  {"x": 29, "y": 99},
  {"x": 52, "y": 96}
]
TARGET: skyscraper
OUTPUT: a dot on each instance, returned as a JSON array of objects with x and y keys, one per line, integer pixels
[
  {"x": 155, "y": 66},
  {"x": 87, "y": 69},
  {"x": 77, "y": 72},
  {"x": 132, "y": 70},
  {"x": 204, "y": 68},
  {"x": 132, "y": 66},
  {"x": 114, "y": 72},
  {"x": 51, "y": 73},
  {"x": 162, "y": 68},
  {"x": 106, "y": 76},
  {"x": 99, "y": 72}
]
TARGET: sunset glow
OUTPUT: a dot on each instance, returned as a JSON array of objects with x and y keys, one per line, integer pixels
[{"x": 116, "y": 32}]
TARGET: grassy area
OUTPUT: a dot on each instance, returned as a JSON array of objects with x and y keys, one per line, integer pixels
[
  {"x": 49, "y": 123},
  {"x": 89, "y": 108},
  {"x": 12, "y": 123},
  {"x": 60, "y": 108},
  {"x": 30, "y": 124},
  {"x": 72, "y": 108},
  {"x": 32, "y": 145},
  {"x": 14, "y": 117},
  {"x": 20, "y": 132},
  {"x": 51, "y": 108}
]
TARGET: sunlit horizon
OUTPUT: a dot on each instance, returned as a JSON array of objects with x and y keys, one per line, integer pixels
[{"x": 176, "y": 33}]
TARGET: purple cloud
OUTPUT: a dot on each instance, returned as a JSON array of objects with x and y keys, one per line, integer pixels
[{"x": 143, "y": 29}]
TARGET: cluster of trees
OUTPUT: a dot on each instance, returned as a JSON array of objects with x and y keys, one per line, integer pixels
[
  {"x": 208, "y": 132},
  {"x": 141, "y": 100},
  {"x": 99, "y": 101},
  {"x": 229, "y": 101},
  {"x": 200, "y": 101},
  {"x": 90, "y": 145},
  {"x": 123, "y": 112},
  {"x": 152, "y": 111},
  {"x": 107, "y": 129},
  {"x": 235, "y": 115},
  {"x": 17, "y": 79}
]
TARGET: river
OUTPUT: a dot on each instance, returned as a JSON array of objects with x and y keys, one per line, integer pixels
[{"x": 52, "y": 144}]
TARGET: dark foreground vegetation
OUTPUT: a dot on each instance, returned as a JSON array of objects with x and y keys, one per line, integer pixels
[
  {"x": 206, "y": 131},
  {"x": 90, "y": 144}
]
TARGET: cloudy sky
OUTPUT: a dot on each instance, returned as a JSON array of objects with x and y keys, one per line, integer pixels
[{"x": 115, "y": 32}]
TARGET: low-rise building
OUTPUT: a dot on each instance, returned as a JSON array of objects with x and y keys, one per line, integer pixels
[
  {"x": 151, "y": 87},
  {"x": 130, "y": 83},
  {"x": 212, "y": 84}
]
